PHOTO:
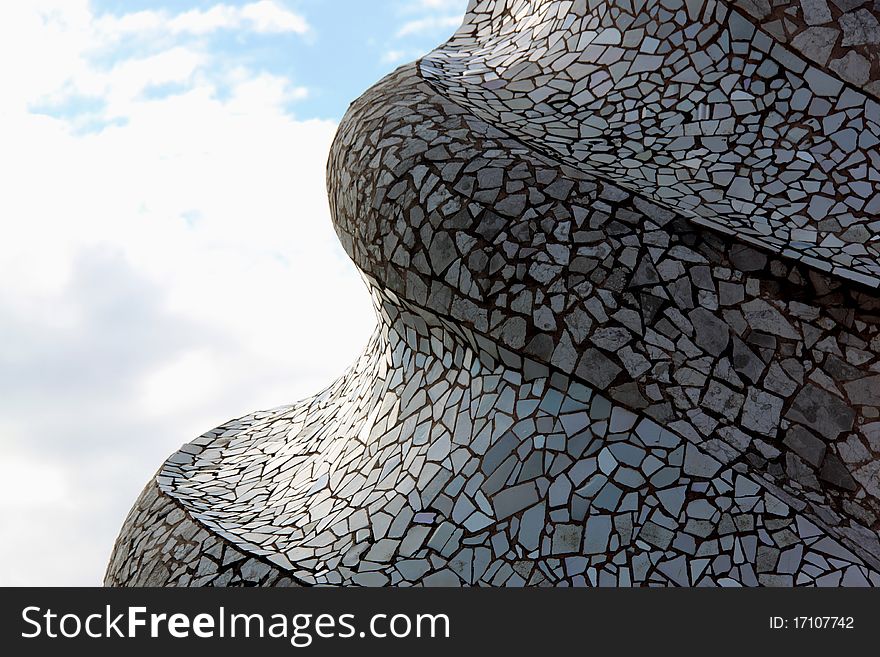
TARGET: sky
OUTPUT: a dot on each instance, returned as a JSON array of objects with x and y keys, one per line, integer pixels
[{"x": 167, "y": 261}]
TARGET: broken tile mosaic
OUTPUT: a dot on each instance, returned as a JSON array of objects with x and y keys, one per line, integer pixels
[{"x": 624, "y": 262}]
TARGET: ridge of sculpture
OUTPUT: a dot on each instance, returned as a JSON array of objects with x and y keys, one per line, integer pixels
[{"x": 624, "y": 261}]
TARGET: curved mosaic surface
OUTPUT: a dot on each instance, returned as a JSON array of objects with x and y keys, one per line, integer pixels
[
  {"x": 432, "y": 462},
  {"x": 573, "y": 381},
  {"x": 690, "y": 104}
]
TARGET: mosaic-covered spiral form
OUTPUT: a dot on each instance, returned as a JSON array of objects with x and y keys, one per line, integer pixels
[{"x": 624, "y": 258}]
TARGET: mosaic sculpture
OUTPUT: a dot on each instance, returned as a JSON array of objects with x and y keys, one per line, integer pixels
[{"x": 625, "y": 264}]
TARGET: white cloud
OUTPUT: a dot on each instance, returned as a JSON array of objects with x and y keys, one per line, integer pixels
[
  {"x": 264, "y": 16},
  {"x": 159, "y": 274},
  {"x": 267, "y": 16},
  {"x": 428, "y": 24},
  {"x": 394, "y": 56},
  {"x": 429, "y": 18},
  {"x": 442, "y": 5}
]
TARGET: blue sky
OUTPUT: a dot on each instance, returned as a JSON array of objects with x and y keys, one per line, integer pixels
[
  {"x": 167, "y": 260},
  {"x": 345, "y": 47}
]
